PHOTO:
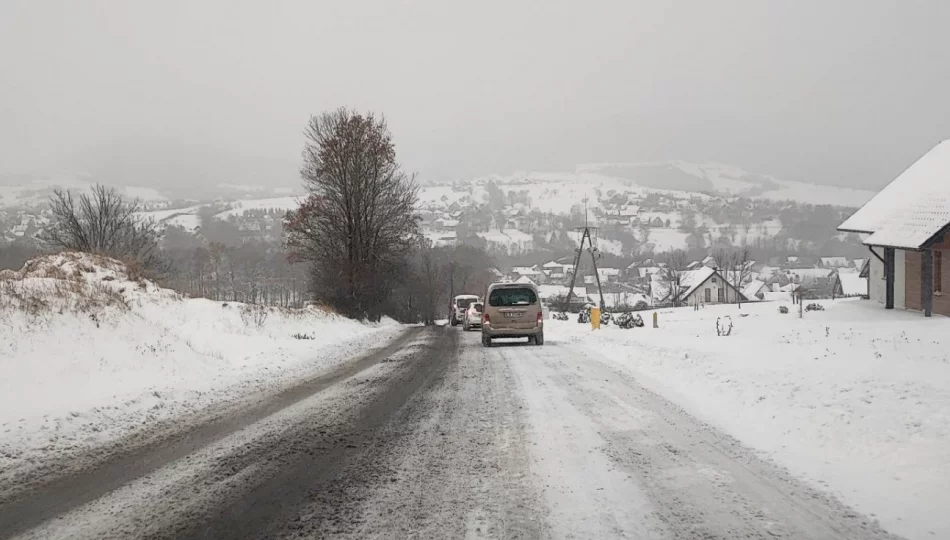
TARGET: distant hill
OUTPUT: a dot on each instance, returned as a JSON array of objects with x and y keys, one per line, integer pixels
[{"x": 715, "y": 178}]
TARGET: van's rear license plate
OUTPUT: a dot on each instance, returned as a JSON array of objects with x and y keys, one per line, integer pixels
[{"x": 512, "y": 315}]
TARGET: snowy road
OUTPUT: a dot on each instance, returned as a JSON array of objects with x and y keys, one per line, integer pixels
[{"x": 437, "y": 437}]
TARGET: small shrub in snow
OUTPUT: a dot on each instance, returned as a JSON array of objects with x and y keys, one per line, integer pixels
[
  {"x": 814, "y": 307},
  {"x": 299, "y": 335},
  {"x": 641, "y": 306},
  {"x": 783, "y": 310},
  {"x": 629, "y": 320},
  {"x": 253, "y": 314}
]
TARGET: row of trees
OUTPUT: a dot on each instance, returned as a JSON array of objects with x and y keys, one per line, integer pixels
[{"x": 353, "y": 244}]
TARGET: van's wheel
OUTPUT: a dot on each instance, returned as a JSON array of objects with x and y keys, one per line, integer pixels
[
  {"x": 454, "y": 322},
  {"x": 539, "y": 339},
  {"x": 532, "y": 340},
  {"x": 466, "y": 327},
  {"x": 486, "y": 341}
]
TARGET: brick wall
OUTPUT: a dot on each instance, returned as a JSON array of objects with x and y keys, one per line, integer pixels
[{"x": 913, "y": 268}]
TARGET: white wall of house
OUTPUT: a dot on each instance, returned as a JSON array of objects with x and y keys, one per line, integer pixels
[
  {"x": 876, "y": 279},
  {"x": 699, "y": 295},
  {"x": 878, "y": 288}
]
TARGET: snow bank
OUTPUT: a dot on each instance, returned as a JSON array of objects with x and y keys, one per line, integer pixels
[
  {"x": 92, "y": 351},
  {"x": 855, "y": 399}
]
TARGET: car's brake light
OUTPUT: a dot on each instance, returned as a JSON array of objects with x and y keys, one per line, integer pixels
[
  {"x": 486, "y": 319},
  {"x": 540, "y": 317}
]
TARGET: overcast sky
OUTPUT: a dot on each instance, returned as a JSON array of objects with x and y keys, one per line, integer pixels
[{"x": 840, "y": 92}]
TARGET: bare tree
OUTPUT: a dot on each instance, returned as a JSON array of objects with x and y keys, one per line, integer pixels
[
  {"x": 674, "y": 264},
  {"x": 735, "y": 265},
  {"x": 102, "y": 222},
  {"x": 359, "y": 221}
]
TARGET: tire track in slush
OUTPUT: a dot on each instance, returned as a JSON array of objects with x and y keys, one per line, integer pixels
[
  {"x": 61, "y": 495},
  {"x": 312, "y": 465}
]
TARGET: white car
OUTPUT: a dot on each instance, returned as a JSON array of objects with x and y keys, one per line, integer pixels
[
  {"x": 473, "y": 316},
  {"x": 460, "y": 305}
]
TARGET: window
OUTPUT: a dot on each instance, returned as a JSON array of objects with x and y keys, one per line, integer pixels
[
  {"x": 938, "y": 271},
  {"x": 721, "y": 295},
  {"x": 708, "y": 295},
  {"x": 715, "y": 281},
  {"x": 507, "y": 297}
]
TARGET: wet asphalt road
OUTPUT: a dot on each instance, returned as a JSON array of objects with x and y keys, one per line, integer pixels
[{"x": 434, "y": 436}]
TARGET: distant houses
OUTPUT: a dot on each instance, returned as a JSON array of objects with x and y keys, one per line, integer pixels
[{"x": 908, "y": 228}]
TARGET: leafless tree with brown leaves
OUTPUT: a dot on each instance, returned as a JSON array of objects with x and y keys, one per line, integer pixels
[
  {"x": 105, "y": 223},
  {"x": 359, "y": 220}
]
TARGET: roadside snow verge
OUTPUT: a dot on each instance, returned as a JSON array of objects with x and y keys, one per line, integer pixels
[
  {"x": 90, "y": 353},
  {"x": 854, "y": 399}
]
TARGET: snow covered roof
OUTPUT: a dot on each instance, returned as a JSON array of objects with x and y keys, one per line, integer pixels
[
  {"x": 526, "y": 271},
  {"x": 910, "y": 210},
  {"x": 552, "y": 264},
  {"x": 547, "y": 292},
  {"x": 647, "y": 271},
  {"x": 753, "y": 288},
  {"x": 835, "y": 262},
  {"x": 812, "y": 273},
  {"x": 690, "y": 280},
  {"x": 525, "y": 280},
  {"x": 608, "y": 271}
]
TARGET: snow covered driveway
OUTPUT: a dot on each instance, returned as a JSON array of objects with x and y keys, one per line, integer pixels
[{"x": 441, "y": 438}]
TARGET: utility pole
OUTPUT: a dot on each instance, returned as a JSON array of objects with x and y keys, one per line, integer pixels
[{"x": 586, "y": 237}]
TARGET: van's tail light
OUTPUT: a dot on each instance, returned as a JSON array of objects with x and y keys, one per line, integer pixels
[
  {"x": 540, "y": 318},
  {"x": 486, "y": 319}
]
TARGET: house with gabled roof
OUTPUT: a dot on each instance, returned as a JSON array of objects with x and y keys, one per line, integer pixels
[
  {"x": 908, "y": 236},
  {"x": 702, "y": 286}
]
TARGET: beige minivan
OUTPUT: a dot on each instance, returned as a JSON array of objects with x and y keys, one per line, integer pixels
[{"x": 512, "y": 310}]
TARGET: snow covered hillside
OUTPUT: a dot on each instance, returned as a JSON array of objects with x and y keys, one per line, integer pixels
[
  {"x": 29, "y": 191},
  {"x": 854, "y": 399},
  {"x": 728, "y": 180},
  {"x": 557, "y": 192},
  {"x": 93, "y": 352}
]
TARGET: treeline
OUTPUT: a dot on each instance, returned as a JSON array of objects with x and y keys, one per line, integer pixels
[
  {"x": 254, "y": 272},
  {"x": 353, "y": 245}
]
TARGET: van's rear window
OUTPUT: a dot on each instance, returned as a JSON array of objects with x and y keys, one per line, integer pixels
[
  {"x": 463, "y": 303},
  {"x": 512, "y": 297}
]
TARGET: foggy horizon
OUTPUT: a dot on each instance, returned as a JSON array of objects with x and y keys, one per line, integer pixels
[{"x": 847, "y": 94}]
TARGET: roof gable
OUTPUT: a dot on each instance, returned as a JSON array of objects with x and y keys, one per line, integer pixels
[{"x": 913, "y": 208}]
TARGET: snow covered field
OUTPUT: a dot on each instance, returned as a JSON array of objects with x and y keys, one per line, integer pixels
[
  {"x": 854, "y": 399},
  {"x": 91, "y": 354},
  {"x": 277, "y": 203}
]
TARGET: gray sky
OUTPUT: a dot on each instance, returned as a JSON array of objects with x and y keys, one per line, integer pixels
[{"x": 841, "y": 92}]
